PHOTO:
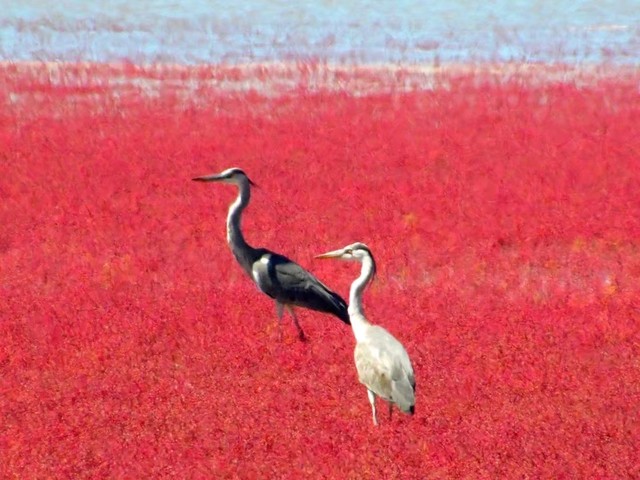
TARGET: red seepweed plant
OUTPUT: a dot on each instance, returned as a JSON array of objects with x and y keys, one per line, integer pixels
[{"x": 502, "y": 208}]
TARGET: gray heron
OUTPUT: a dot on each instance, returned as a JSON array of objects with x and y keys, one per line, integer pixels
[
  {"x": 382, "y": 362},
  {"x": 285, "y": 281}
]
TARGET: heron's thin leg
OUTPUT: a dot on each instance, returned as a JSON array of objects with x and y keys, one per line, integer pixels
[
  {"x": 301, "y": 334},
  {"x": 279, "y": 312},
  {"x": 390, "y": 410},
  {"x": 372, "y": 401}
]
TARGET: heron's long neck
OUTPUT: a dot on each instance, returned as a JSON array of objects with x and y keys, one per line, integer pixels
[
  {"x": 234, "y": 234},
  {"x": 356, "y": 312}
]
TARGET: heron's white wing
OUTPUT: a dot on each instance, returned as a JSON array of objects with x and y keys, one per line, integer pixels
[{"x": 384, "y": 367}]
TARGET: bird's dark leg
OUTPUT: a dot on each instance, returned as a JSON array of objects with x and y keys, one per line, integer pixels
[
  {"x": 279, "y": 313},
  {"x": 301, "y": 334},
  {"x": 390, "y": 410}
]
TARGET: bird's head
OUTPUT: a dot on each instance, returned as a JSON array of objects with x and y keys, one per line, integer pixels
[
  {"x": 233, "y": 175},
  {"x": 354, "y": 252}
]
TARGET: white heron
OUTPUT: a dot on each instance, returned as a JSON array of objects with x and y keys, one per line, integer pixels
[
  {"x": 275, "y": 275},
  {"x": 382, "y": 362}
]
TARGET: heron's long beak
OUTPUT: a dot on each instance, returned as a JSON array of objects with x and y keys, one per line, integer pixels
[
  {"x": 216, "y": 177},
  {"x": 208, "y": 178},
  {"x": 332, "y": 254}
]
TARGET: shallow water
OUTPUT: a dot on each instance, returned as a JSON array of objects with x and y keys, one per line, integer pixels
[{"x": 197, "y": 31}]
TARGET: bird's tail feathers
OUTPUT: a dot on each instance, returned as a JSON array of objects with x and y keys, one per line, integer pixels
[
  {"x": 341, "y": 309},
  {"x": 404, "y": 396}
]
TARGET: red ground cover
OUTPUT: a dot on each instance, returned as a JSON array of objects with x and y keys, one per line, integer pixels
[{"x": 504, "y": 214}]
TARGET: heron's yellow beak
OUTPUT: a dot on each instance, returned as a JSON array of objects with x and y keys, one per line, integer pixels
[{"x": 332, "y": 254}]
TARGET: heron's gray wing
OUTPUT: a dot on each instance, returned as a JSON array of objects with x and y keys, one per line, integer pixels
[
  {"x": 371, "y": 371},
  {"x": 405, "y": 362},
  {"x": 289, "y": 283},
  {"x": 382, "y": 367}
]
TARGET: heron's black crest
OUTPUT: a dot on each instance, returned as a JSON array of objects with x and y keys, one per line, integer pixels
[
  {"x": 238, "y": 171},
  {"x": 362, "y": 246},
  {"x": 235, "y": 171}
]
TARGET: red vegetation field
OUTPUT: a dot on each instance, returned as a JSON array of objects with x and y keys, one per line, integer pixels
[{"x": 503, "y": 209}]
